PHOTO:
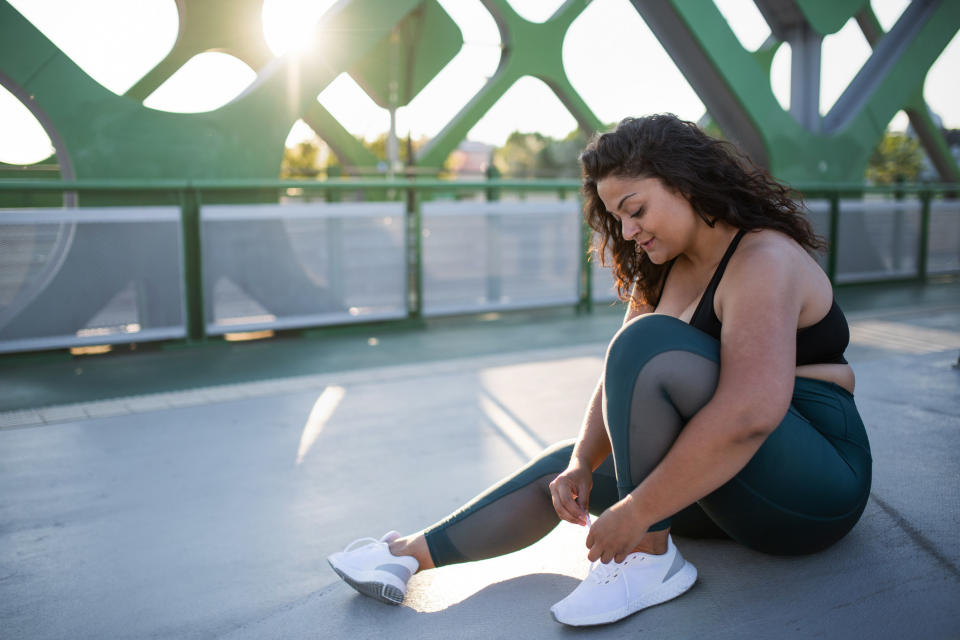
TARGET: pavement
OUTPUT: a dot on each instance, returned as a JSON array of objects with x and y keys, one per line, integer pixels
[{"x": 195, "y": 493}]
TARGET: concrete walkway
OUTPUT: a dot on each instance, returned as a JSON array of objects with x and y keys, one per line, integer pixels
[{"x": 208, "y": 511}]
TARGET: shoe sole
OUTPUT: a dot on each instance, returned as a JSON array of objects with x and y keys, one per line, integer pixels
[
  {"x": 377, "y": 590},
  {"x": 676, "y": 586}
]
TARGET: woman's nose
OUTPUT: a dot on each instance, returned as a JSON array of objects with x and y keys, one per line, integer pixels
[{"x": 629, "y": 229}]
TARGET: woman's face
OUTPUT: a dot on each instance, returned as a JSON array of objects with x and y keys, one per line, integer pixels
[{"x": 658, "y": 220}]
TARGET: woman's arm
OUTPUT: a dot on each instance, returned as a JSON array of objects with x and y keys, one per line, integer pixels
[
  {"x": 571, "y": 489},
  {"x": 760, "y": 309}
]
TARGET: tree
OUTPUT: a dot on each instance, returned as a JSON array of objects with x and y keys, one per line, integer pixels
[
  {"x": 302, "y": 161},
  {"x": 897, "y": 159},
  {"x": 534, "y": 155},
  {"x": 521, "y": 155}
]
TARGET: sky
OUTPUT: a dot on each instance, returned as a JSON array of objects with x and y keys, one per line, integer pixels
[{"x": 624, "y": 72}]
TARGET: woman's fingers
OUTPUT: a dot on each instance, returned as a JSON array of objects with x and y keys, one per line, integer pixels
[
  {"x": 564, "y": 501},
  {"x": 583, "y": 501}
]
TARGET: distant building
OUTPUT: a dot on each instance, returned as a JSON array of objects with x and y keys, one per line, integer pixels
[{"x": 470, "y": 159}]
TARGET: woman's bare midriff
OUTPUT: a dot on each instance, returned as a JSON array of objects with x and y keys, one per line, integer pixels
[{"x": 840, "y": 374}]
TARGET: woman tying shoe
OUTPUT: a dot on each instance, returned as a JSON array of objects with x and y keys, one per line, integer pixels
[{"x": 725, "y": 406}]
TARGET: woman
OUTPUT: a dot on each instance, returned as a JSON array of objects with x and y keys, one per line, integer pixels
[{"x": 725, "y": 405}]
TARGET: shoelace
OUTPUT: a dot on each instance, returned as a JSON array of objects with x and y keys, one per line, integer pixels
[
  {"x": 604, "y": 573},
  {"x": 607, "y": 573},
  {"x": 361, "y": 542}
]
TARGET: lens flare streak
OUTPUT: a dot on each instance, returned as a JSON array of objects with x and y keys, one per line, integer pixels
[{"x": 322, "y": 410}]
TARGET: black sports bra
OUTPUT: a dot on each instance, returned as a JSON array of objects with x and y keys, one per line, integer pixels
[{"x": 820, "y": 343}]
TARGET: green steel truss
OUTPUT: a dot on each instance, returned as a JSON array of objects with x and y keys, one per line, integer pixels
[{"x": 393, "y": 48}]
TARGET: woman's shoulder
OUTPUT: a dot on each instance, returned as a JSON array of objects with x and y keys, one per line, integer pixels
[
  {"x": 770, "y": 255},
  {"x": 765, "y": 241},
  {"x": 775, "y": 258}
]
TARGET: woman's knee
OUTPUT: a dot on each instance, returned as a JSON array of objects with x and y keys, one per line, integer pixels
[
  {"x": 660, "y": 351},
  {"x": 545, "y": 467},
  {"x": 651, "y": 334}
]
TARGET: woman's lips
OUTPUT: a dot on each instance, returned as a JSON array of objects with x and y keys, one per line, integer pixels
[{"x": 645, "y": 245}]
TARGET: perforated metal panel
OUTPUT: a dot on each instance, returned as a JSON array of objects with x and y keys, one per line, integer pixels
[
  {"x": 499, "y": 255},
  {"x": 280, "y": 266},
  {"x": 603, "y": 289},
  {"x": 73, "y": 277},
  {"x": 818, "y": 212},
  {"x": 943, "y": 248},
  {"x": 877, "y": 239}
]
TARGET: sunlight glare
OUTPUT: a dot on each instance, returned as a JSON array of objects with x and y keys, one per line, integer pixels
[
  {"x": 507, "y": 425},
  {"x": 323, "y": 408},
  {"x": 206, "y": 82},
  {"x": 288, "y": 25},
  {"x": 116, "y": 42},
  {"x": 353, "y": 108},
  {"x": 299, "y": 132}
]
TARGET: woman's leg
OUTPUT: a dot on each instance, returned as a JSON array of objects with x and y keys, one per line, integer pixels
[
  {"x": 809, "y": 482},
  {"x": 511, "y": 515},
  {"x": 659, "y": 372},
  {"x": 805, "y": 487},
  {"x": 518, "y": 511}
]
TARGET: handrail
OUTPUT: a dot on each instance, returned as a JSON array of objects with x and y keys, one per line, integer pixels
[
  {"x": 426, "y": 184},
  {"x": 192, "y": 193}
]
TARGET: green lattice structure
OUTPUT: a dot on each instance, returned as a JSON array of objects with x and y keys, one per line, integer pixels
[{"x": 394, "y": 48}]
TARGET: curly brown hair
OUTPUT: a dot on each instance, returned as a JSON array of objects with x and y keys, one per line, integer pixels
[{"x": 719, "y": 181}]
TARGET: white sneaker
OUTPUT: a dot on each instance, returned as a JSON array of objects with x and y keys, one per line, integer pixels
[
  {"x": 615, "y": 590},
  {"x": 368, "y": 566}
]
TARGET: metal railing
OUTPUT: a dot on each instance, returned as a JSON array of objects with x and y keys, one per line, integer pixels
[{"x": 907, "y": 210}]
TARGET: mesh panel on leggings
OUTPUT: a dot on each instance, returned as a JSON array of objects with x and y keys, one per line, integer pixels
[
  {"x": 515, "y": 512},
  {"x": 670, "y": 389}
]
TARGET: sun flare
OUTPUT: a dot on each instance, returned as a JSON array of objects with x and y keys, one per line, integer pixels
[{"x": 289, "y": 25}]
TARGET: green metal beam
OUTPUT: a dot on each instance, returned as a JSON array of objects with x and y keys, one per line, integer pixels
[
  {"x": 350, "y": 151},
  {"x": 930, "y": 135},
  {"x": 98, "y": 134},
  {"x": 829, "y": 17},
  {"x": 534, "y": 49},
  {"x": 105, "y": 135},
  {"x": 229, "y": 26},
  {"x": 791, "y": 152}
]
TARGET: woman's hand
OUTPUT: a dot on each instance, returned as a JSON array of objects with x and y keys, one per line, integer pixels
[
  {"x": 571, "y": 493},
  {"x": 616, "y": 533}
]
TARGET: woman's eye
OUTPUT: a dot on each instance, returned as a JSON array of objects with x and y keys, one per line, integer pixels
[{"x": 637, "y": 213}]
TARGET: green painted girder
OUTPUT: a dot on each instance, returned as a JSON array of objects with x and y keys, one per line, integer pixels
[
  {"x": 419, "y": 47},
  {"x": 929, "y": 133},
  {"x": 228, "y": 26},
  {"x": 528, "y": 48},
  {"x": 893, "y": 76},
  {"x": 105, "y": 135},
  {"x": 235, "y": 27},
  {"x": 774, "y": 137},
  {"x": 829, "y": 17},
  {"x": 823, "y": 18},
  {"x": 348, "y": 149}
]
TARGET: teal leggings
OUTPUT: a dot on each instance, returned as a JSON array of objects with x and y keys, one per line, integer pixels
[{"x": 803, "y": 490}]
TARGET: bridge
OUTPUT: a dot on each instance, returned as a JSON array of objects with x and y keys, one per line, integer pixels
[{"x": 188, "y": 482}]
